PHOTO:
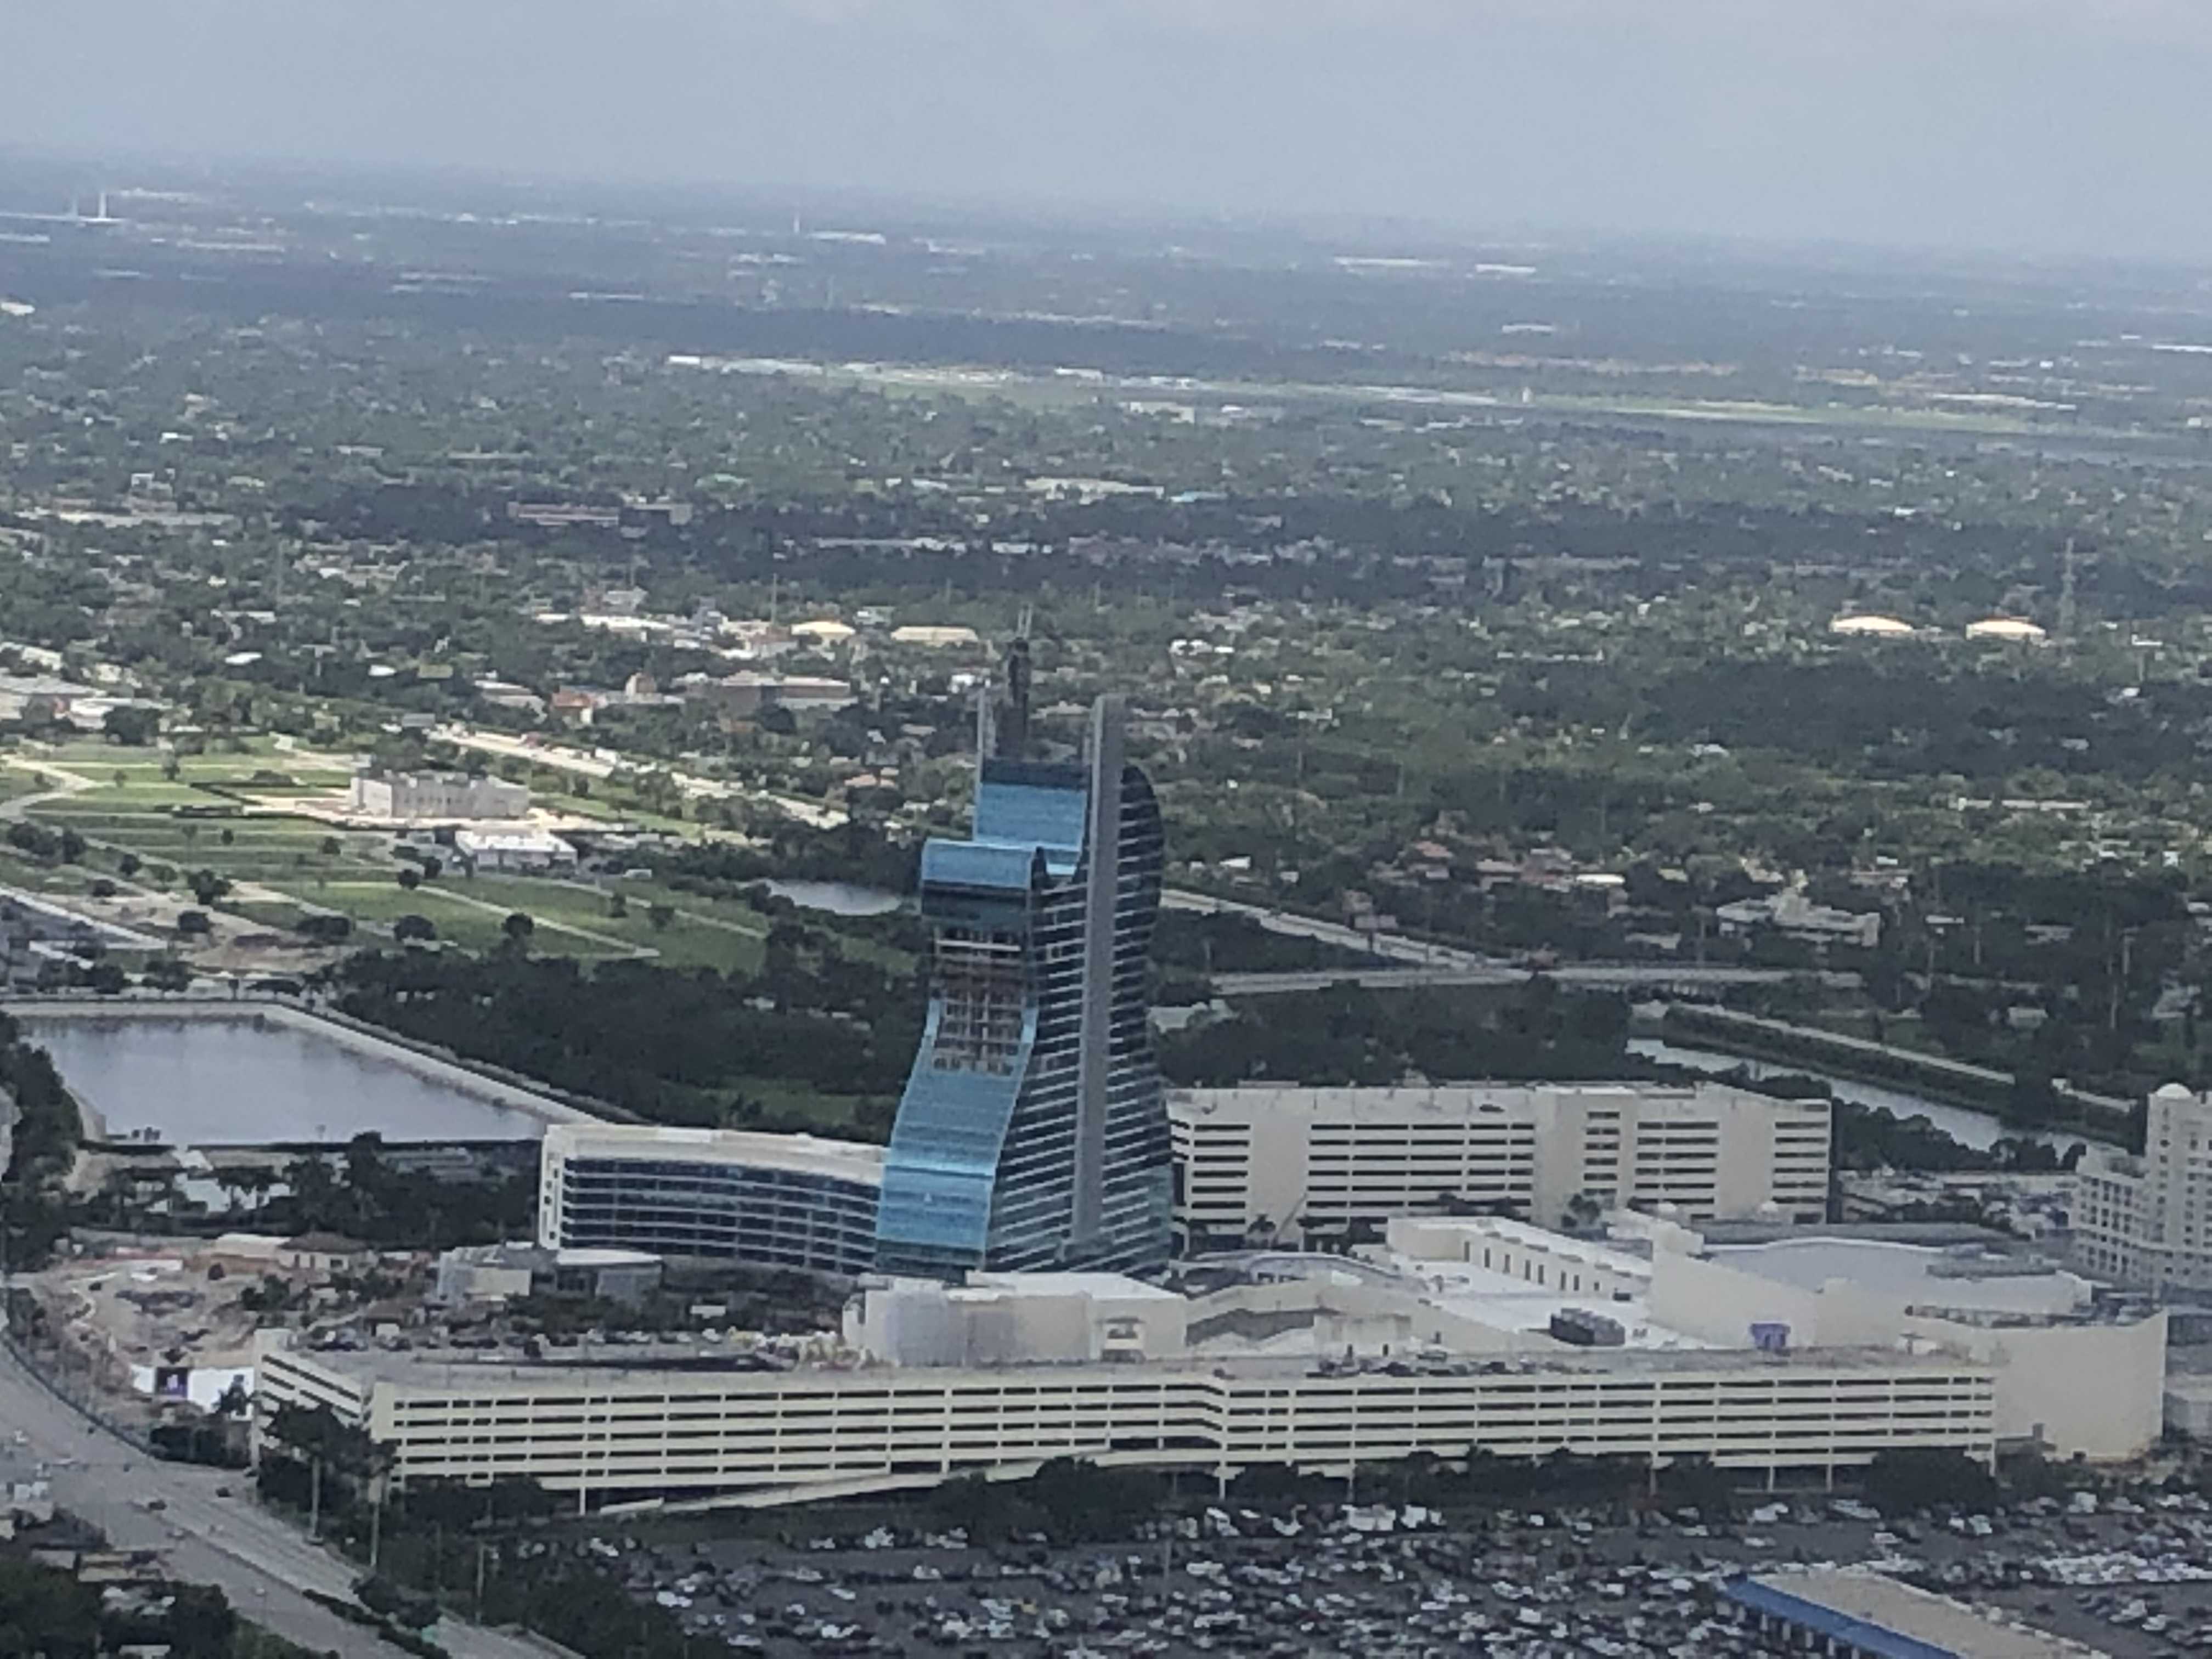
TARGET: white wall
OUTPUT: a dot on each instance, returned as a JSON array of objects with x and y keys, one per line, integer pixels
[{"x": 2095, "y": 1390}]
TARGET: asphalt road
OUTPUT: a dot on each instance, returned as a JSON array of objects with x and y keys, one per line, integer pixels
[
  {"x": 1597, "y": 975},
  {"x": 262, "y": 1563},
  {"x": 1393, "y": 946},
  {"x": 1420, "y": 962}
]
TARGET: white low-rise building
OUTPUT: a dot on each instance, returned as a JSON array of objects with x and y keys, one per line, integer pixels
[
  {"x": 426, "y": 797},
  {"x": 1790, "y": 913},
  {"x": 500, "y": 1272},
  {"x": 2080, "y": 1373},
  {"x": 673, "y": 1426},
  {"x": 1803, "y": 1356},
  {"x": 514, "y": 852},
  {"x": 1271, "y": 1163},
  {"x": 997, "y": 1319}
]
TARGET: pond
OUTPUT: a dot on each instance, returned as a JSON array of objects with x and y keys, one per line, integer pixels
[
  {"x": 246, "y": 1081},
  {"x": 838, "y": 898}
]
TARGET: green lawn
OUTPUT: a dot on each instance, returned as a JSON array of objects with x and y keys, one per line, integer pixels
[
  {"x": 684, "y": 943},
  {"x": 133, "y": 806},
  {"x": 381, "y": 903}
]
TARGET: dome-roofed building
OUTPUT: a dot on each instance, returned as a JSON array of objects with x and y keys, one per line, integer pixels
[
  {"x": 1869, "y": 625},
  {"x": 2006, "y": 627}
]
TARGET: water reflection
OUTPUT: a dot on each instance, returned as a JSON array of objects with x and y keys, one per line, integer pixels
[
  {"x": 1979, "y": 1130},
  {"x": 244, "y": 1081}
]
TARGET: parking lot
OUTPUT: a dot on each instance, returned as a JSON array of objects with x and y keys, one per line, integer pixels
[{"x": 2133, "y": 1577}]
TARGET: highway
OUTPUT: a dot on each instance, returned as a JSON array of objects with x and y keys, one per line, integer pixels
[
  {"x": 259, "y": 1562},
  {"x": 1391, "y": 947},
  {"x": 1412, "y": 961},
  {"x": 1654, "y": 978}
]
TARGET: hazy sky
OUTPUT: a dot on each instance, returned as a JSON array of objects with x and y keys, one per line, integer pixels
[{"x": 2081, "y": 126}]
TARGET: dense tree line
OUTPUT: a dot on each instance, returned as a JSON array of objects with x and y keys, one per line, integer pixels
[
  {"x": 47, "y": 1614},
  {"x": 363, "y": 1196},
  {"x": 47, "y": 1131},
  {"x": 666, "y": 1043},
  {"x": 1345, "y": 1035}
]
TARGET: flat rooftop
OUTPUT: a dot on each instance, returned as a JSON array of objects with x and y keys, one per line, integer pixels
[
  {"x": 1882, "y": 1616},
  {"x": 1504, "y": 1302},
  {"x": 661, "y": 1367},
  {"x": 1955, "y": 1276},
  {"x": 844, "y": 1160},
  {"x": 1100, "y": 1286},
  {"x": 1462, "y": 1099}
]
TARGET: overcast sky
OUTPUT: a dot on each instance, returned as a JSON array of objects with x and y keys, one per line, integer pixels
[{"x": 2039, "y": 125}]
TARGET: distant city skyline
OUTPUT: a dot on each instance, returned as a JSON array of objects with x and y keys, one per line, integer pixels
[{"x": 2029, "y": 127}]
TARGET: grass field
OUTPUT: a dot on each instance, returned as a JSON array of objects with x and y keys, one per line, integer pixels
[{"x": 129, "y": 805}]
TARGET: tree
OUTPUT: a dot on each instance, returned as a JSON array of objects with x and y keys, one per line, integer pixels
[
  {"x": 194, "y": 924},
  {"x": 618, "y": 906},
  {"x": 518, "y": 928},
  {"x": 1698, "y": 1483},
  {"x": 129, "y": 865},
  {"x": 46, "y": 1612},
  {"x": 1911, "y": 1478},
  {"x": 199, "y": 1623},
  {"x": 167, "y": 974},
  {"x": 380, "y": 1594},
  {"x": 659, "y": 915},
  {"x": 411, "y": 929},
  {"x": 207, "y": 886},
  {"x": 410, "y": 877},
  {"x": 132, "y": 727}
]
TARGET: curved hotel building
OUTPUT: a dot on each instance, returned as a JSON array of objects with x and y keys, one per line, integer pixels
[
  {"x": 1033, "y": 1132},
  {"x": 772, "y": 1199}
]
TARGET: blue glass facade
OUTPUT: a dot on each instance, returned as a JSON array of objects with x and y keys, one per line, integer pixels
[{"x": 1033, "y": 1133}]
